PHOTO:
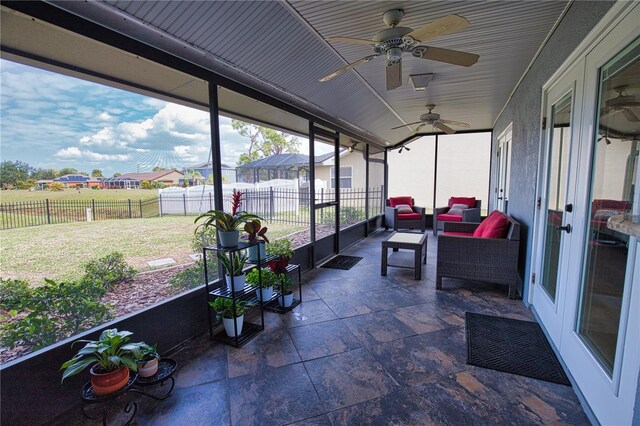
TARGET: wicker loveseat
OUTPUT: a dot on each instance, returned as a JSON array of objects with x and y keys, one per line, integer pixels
[{"x": 463, "y": 256}]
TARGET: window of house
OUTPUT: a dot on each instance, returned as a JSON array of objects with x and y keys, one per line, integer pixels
[{"x": 346, "y": 177}]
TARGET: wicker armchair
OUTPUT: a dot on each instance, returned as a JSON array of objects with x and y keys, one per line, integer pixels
[
  {"x": 395, "y": 221},
  {"x": 440, "y": 214},
  {"x": 493, "y": 260}
]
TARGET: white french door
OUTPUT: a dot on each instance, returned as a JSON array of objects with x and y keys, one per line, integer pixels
[
  {"x": 587, "y": 289},
  {"x": 554, "y": 212},
  {"x": 504, "y": 169}
]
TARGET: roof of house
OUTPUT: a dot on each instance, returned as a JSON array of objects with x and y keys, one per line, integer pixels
[
  {"x": 287, "y": 160},
  {"x": 75, "y": 177},
  {"x": 148, "y": 175},
  {"x": 207, "y": 166}
]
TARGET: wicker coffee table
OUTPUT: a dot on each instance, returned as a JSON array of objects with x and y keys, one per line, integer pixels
[{"x": 407, "y": 241}]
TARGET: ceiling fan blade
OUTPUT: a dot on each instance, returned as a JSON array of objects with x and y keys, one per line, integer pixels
[
  {"x": 449, "y": 56},
  {"x": 347, "y": 67},
  {"x": 394, "y": 75},
  {"x": 455, "y": 123},
  {"x": 351, "y": 40},
  {"x": 440, "y": 27},
  {"x": 630, "y": 115},
  {"x": 405, "y": 125},
  {"x": 419, "y": 127},
  {"x": 444, "y": 128}
]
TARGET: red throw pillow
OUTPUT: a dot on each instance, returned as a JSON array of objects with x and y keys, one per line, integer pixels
[
  {"x": 480, "y": 229},
  {"x": 394, "y": 201},
  {"x": 469, "y": 201},
  {"x": 498, "y": 228}
]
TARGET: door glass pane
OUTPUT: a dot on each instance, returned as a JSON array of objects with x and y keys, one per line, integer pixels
[
  {"x": 559, "y": 142},
  {"x": 613, "y": 179}
]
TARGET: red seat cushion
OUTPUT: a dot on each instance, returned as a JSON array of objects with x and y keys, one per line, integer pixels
[
  {"x": 480, "y": 229},
  {"x": 409, "y": 216},
  {"x": 457, "y": 234},
  {"x": 498, "y": 228},
  {"x": 394, "y": 201},
  {"x": 450, "y": 218},
  {"x": 469, "y": 201}
]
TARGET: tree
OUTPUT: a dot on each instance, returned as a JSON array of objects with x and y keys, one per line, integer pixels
[
  {"x": 13, "y": 171},
  {"x": 145, "y": 184},
  {"x": 193, "y": 177},
  {"x": 68, "y": 171},
  {"x": 116, "y": 174},
  {"x": 45, "y": 174},
  {"x": 264, "y": 142},
  {"x": 96, "y": 173},
  {"x": 158, "y": 169},
  {"x": 56, "y": 186}
]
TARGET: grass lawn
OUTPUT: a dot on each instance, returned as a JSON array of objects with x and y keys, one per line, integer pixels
[
  {"x": 58, "y": 251},
  {"x": 12, "y": 196}
]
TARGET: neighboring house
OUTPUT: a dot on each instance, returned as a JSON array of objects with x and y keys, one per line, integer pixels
[
  {"x": 295, "y": 166},
  {"x": 134, "y": 180},
  {"x": 206, "y": 169},
  {"x": 73, "y": 180}
]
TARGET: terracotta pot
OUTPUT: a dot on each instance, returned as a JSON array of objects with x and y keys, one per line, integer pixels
[
  {"x": 108, "y": 383},
  {"x": 148, "y": 369}
]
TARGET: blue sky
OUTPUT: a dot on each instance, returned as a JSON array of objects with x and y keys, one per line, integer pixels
[{"x": 53, "y": 121}]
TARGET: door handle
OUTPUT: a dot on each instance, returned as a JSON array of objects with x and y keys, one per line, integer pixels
[
  {"x": 569, "y": 208},
  {"x": 499, "y": 198},
  {"x": 566, "y": 228}
]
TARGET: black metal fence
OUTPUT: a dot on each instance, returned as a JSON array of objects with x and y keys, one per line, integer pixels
[
  {"x": 44, "y": 212},
  {"x": 284, "y": 205}
]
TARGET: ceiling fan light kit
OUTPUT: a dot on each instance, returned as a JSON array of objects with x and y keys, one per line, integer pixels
[
  {"x": 420, "y": 81},
  {"x": 393, "y": 41}
]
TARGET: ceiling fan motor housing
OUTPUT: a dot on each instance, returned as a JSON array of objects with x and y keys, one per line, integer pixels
[{"x": 429, "y": 117}]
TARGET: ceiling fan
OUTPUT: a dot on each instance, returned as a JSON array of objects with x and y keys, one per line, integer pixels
[
  {"x": 394, "y": 41},
  {"x": 433, "y": 119},
  {"x": 623, "y": 103}
]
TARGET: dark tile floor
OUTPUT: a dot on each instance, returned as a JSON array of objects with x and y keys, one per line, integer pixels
[{"x": 362, "y": 349}]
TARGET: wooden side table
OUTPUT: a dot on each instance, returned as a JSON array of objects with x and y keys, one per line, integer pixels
[{"x": 408, "y": 241}]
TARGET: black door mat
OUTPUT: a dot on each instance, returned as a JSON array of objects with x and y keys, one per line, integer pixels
[
  {"x": 512, "y": 346},
  {"x": 342, "y": 262}
]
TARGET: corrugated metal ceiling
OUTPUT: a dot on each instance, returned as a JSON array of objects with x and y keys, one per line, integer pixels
[{"x": 281, "y": 44}]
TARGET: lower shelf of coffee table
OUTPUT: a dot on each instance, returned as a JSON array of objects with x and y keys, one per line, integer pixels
[{"x": 249, "y": 331}]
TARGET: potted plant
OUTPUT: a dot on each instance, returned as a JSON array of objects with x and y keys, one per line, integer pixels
[
  {"x": 227, "y": 224},
  {"x": 111, "y": 358},
  {"x": 234, "y": 265},
  {"x": 282, "y": 249},
  {"x": 225, "y": 311},
  {"x": 148, "y": 358},
  {"x": 264, "y": 290},
  {"x": 283, "y": 282},
  {"x": 256, "y": 234}
]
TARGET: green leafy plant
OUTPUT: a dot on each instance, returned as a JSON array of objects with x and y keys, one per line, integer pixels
[
  {"x": 255, "y": 230},
  {"x": 224, "y": 221},
  {"x": 55, "y": 311},
  {"x": 281, "y": 248},
  {"x": 14, "y": 294},
  {"x": 268, "y": 278},
  {"x": 193, "y": 277},
  {"x": 144, "y": 352},
  {"x": 233, "y": 264},
  {"x": 283, "y": 284},
  {"x": 109, "y": 352},
  {"x": 109, "y": 270},
  {"x": 224, "y": 308}
]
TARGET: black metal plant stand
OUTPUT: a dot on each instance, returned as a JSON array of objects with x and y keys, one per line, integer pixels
[
  {"x": 274, "y": 305},
  {"x": 246, "y": 294},
  {"x": 101, "y": 406}
]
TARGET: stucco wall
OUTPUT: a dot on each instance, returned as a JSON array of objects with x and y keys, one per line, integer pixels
[{"x": 523, "y": 110}]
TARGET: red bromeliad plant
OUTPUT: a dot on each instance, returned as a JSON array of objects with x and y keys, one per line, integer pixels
[
  {"x": 279, "y": 265},
  {"x": 224, "y": 221}
]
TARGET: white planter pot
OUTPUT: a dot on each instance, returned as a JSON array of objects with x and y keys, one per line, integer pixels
[
  {"x": 228, "y": 325},
  {"x": 229, "y": 238},
  {"x": 267, "y": 293},
  {"x": 288, "y": 300},
  {"x": 149, "y": 368},
  {"x": 253, "y": 252},
  {"x": 238, "y": 282}
]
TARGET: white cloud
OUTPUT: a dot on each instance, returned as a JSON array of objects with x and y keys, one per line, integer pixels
[
  {"x": 73, "y": 152},
  {"x": 105, "y": 116}
]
